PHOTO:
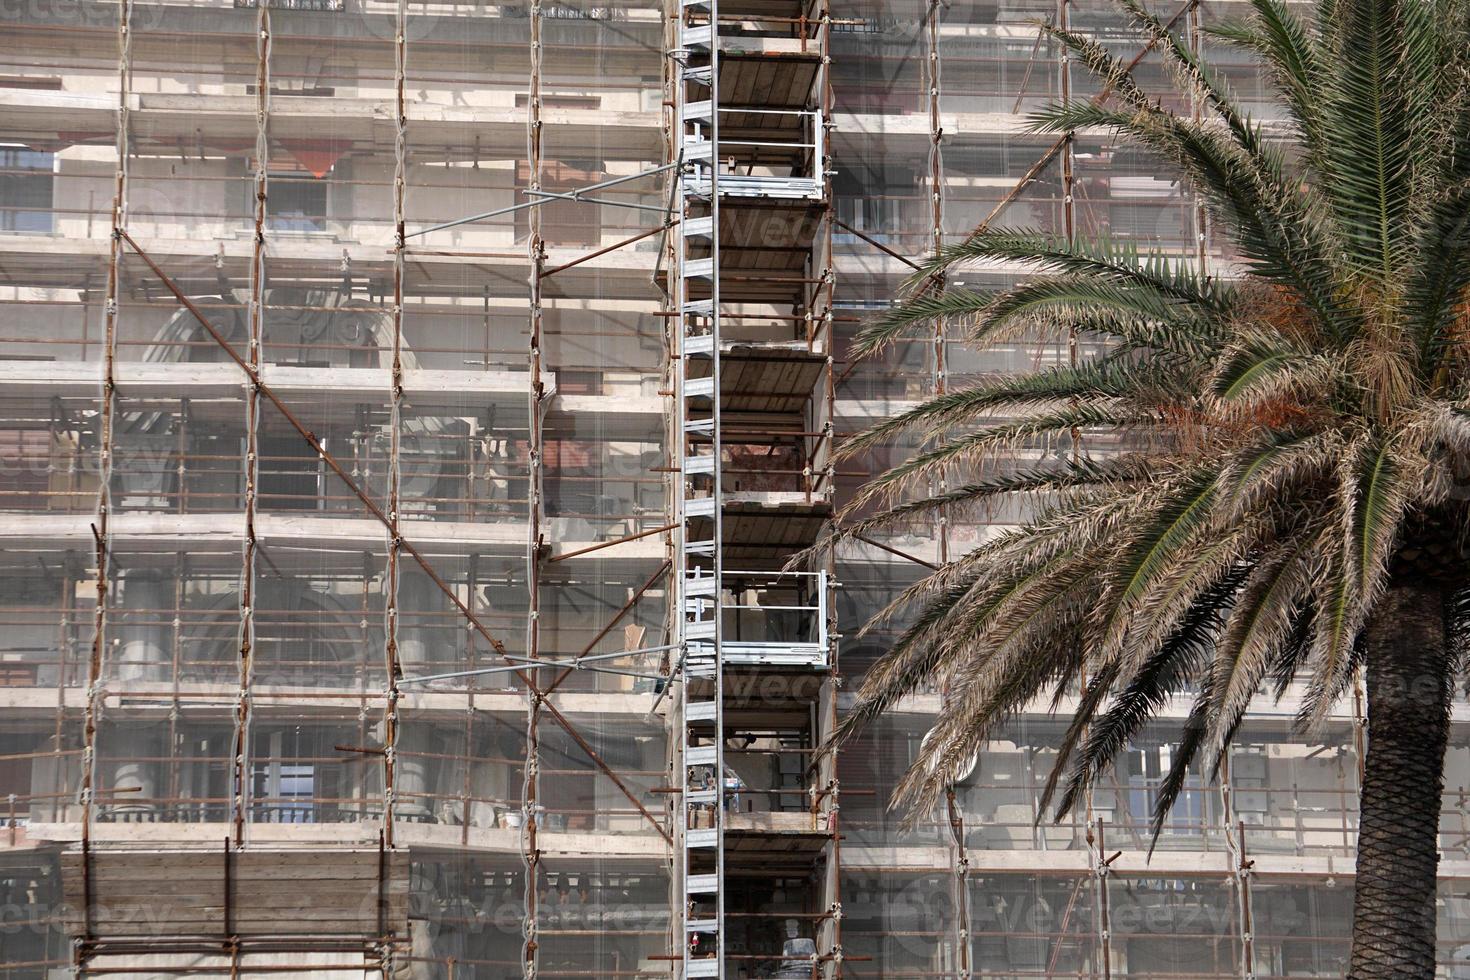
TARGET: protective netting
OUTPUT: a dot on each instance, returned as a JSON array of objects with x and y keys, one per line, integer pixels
[{"x": 305, "y": 479}]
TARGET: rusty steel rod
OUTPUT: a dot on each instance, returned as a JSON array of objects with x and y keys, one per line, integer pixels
[
  {"x": 617, "y": 617},
  {"x": 606, "y": 249},
  {"x": 609, "y": 544}
]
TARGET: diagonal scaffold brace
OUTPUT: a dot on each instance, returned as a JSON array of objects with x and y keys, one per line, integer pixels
[{"x": 398, "y": 542}]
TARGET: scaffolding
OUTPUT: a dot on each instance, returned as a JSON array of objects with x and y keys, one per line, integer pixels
[
  {"x": 408, "y": 410},
  {"x": 751, "y": 283}
]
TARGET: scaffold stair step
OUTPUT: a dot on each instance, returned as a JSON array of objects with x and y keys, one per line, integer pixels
[
  {"x": 700, "y": 507},
  {"x": 700, "y": 755},
  {"x": 701, "y": 839},
  {"x": 703, "y": 796},
  {"x": 700, "y": 631},
  {"x": 699, "y": 465},
  {"x": 694, "y": 188},
  {"x": 702, "y": 925},
  {"x": 701, "y": 968},
  {"x": 701, "y": 111},
  {"x": 699, "y": 151},
  {"x": 701, "y": 884},
  {"x": 699, "y": 388},
  {"x": 700, "y": 710},
  {"x": 699, "y": 268},
  {"x": 698, "y": 307},
  {"x": 698, "y": 227},
  {"x": 697, "y": 37}
]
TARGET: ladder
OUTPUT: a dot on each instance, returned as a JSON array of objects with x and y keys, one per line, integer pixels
[{"x": 699, "y": 557}]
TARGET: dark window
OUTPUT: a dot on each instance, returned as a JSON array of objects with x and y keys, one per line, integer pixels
[
  {"x": 288, "y": 476},
  {"x": 25, "y": 458},
  {"x": 15, "y": 779},
  {"x": 285, "y": 791},
  {"x": 25, "y": 188},
  {"x": 297, "y": 202},
  {"x": 878, "y": 201}
]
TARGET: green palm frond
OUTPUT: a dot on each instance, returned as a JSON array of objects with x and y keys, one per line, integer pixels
[
  {"x": 1192, "y": 75},
  {"x": 1384, "y": 481},
  {"x": 1138, "y": 311},
  {"x": 1436, "y": 289},
  {"x": 910, "y": 660},
  {"x": 1102, "y": 258},
  {"x": 1114, "y": 74},
  {"x": 1371, "y": 154},
  {"x": 1224, "y": 479},
  {"x": 1106, "y": 381},
  {"x": 883, "y": 330},
  {"x": 1189, "y": 333},
  {"x": 1168, "y": 601},
  {"x": 1295, "y": 650},
  {"x": 1375, "y": 485},
  {"x": 1043, "y": 483},
  {"x": 1153, "y": 556},
  {"x": 1292, "y": 57},
  {"x": 1280, "y": 464},
  {"x": 1061, "y": 530},
  {"x": 1003, "y": 677},
  {"x": 1259, "y": 627},
  {"x": 1181, "y": 761},
  {"x": 1334, "y": 632},
  {"x": 1041, "y": 429},
  {"x": 1270, "y": 367},
  {"x": 1281, "y": 244},
  {"x": 1163, "y": 676}
]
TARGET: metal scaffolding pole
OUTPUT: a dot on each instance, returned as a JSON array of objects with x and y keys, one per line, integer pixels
[
  {"x": 240, "y": 751},
  {"x": 101, "y": 528},
  {"x": 393, "y": 580},
  {"x": 536, "y": 254}
]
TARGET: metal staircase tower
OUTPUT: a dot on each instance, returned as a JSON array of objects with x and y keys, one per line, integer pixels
[
  {"x": 750, "y": 287},
  {"x": 700, "y": 561}
]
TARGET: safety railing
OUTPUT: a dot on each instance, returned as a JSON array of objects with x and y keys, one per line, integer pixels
[
  {"x": 764, "y": 153},
  {"x": 774, "y": 619}
]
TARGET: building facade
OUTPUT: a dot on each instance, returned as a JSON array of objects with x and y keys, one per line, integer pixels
[{"x": 409, "y": 416}]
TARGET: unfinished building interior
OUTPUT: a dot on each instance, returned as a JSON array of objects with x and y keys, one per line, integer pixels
[{"x": 408, "y": 412}]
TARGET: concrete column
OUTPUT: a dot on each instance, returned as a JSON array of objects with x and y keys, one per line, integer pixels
[
  {"x": 143, "y": 634},
  {"x": 144, "y": 743},
  {"x": 416, "y": 597}
]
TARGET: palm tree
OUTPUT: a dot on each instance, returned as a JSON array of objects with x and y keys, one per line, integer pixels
[{"x": 1289, "y": 502}]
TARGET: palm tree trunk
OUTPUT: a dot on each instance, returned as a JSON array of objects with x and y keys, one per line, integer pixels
[{"x": 1398, "y": 832}]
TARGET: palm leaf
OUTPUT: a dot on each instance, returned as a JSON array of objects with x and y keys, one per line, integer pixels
[
  {"x": 1259, "y": 626},
  {"x": 1173, "y": 666},
  {"x": 1281, "y": 244},
  {"x": 1293, "y": 58},
  {"x": 1108, "y": 380},
  {"x": 1106, "y": 260},
  {"x": 1371, "y": 152}
]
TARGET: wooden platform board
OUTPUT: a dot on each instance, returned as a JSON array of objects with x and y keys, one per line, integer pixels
[{"x": 183, "y": 893}]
